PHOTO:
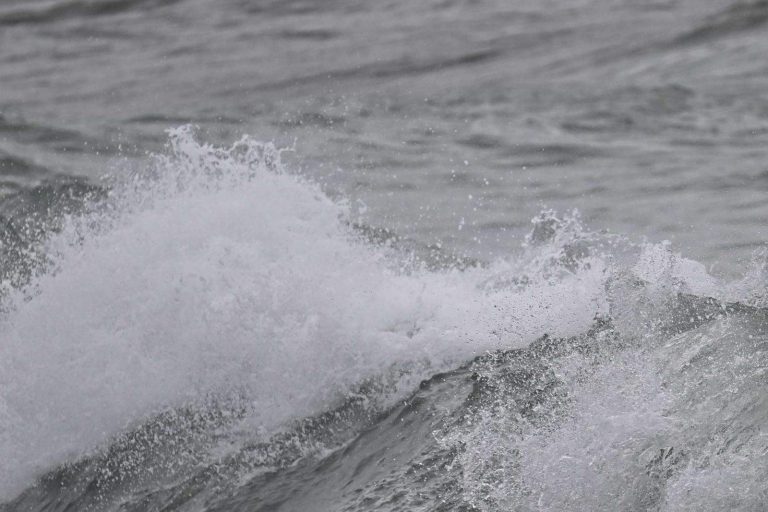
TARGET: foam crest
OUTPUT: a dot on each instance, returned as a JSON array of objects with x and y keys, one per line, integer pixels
[{"x": 212, "y": 271}]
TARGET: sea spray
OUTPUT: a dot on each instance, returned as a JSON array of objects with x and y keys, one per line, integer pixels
[{"x": 212, "y": 271}]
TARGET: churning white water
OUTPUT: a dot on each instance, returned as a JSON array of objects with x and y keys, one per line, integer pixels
[{"x": 214, "y": 271}]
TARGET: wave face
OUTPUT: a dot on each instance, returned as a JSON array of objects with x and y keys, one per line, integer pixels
[{"x": 212, "y": 300}]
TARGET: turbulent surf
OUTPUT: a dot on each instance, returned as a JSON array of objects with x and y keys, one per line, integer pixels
[
  {"x": 251, "y": 344},
  {"x": 338, "y": 255}
]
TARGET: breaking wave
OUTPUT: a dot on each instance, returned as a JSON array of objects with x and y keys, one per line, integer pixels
[{"x": 214, "y": 332}]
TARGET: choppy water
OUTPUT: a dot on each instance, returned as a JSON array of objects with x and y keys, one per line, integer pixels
[{"x": 321, "y": 256}]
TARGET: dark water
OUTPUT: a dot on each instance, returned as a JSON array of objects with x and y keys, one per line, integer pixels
[{"x": 278, "y": 255}]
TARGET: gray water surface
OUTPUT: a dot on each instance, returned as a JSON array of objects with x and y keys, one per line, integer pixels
[
  {"x": 370, "y": 320},
  {"x": 451, "y": 121}
]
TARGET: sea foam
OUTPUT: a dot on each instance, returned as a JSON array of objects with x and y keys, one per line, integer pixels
[{"x": 213, "y": 271}]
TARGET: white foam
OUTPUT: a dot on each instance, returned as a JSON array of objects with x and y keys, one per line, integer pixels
[
  {"x": 669, "y": 423},
  {"x": 221, "y": 272},
  {"x": 659, "y": 267}
]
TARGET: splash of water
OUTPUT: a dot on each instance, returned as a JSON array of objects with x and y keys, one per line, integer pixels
[{"x": 213, "y": 271}]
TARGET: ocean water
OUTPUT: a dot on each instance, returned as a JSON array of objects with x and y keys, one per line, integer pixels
[{"x": 445, "y": 255}]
